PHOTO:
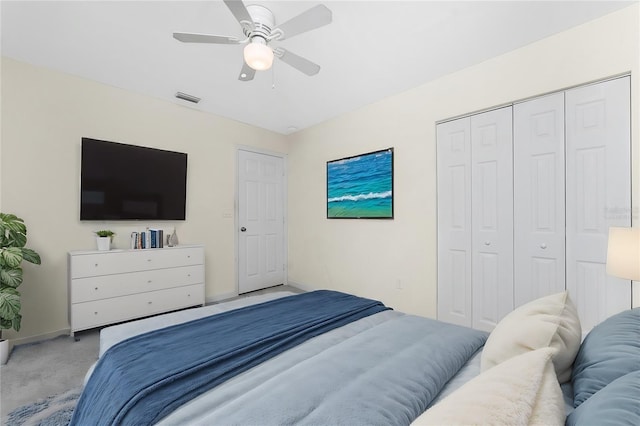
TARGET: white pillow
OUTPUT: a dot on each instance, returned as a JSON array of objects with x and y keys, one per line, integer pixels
[
  {"x": 551, "y": 321},
  {"x": 521, "y": 391}
]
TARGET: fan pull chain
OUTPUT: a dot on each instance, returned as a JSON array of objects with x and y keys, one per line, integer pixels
[{"x": 273, "y": 78}]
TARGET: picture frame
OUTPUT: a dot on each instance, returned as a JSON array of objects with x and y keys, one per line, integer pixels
[{"x": 361, "y": 186}]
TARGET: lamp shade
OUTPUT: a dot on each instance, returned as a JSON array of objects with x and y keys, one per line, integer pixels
[
  {"x": 623, "y": 253},
  {"x": 258, "y": 55}
]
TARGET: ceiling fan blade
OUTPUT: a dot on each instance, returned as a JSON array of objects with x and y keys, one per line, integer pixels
[
  {"x": 311, "y": 19},
  {"x": 205, "y": 38},
  {"x": 247, "y": 73},
  {"x": 298, "y": 62},
  {"x": 240, "y": 12}
]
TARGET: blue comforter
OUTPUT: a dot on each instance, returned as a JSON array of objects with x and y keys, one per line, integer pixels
[
  {"x": 384, "y": 370},
  {"x": 142, "y": 379}
]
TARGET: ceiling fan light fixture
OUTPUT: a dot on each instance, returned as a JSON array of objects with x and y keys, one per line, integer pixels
[
  {"x": 258, "y": 25},
  {"x": 258, "y": 55}
]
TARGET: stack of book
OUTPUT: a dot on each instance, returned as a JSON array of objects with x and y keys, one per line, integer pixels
[{"x": 149, "y": 238}]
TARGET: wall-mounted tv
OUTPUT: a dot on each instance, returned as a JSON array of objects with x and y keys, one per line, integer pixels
[
  {"x": 128, "y": 182},
  {"x": 361, "y": 187}
]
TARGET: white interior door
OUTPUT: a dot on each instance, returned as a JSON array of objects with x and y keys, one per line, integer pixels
[
  {"x": 260, "y": 221},
  {"x": 539, "y": 193},
  {"x": 492, "y": 216},
  {"x": 454, "y": 221},
  {"x": 598, "y": 194}
]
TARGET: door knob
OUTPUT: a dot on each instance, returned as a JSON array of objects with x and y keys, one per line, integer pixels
[{"x": 243, "y": 229}]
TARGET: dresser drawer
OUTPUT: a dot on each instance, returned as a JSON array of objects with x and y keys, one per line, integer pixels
[
  {"x": 118, "y": 262},
  {"x": 107, "y": 311},
  {"x": 107, "y": 286}
]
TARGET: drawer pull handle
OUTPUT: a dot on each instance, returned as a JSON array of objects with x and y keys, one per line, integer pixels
[
  {"x": 543, "y": 246},
  {"x": 95, "y": 313},
  {"x": 96, "y": 288},
  {"x": 149, "y": 303},
  {"x": 96, "y": 265},
  {"x": 149, "y": 281},
  {"x": 148, "y": 260}
]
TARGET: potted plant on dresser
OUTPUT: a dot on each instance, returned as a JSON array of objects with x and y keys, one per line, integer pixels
[
  {"x": 104, "y": 238},
  {"x": 13, "y": 238}
]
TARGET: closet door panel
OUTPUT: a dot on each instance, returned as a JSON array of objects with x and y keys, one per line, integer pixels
[
  {"x": 492, "y": 217},
  {"x": 454, "y": 221},
  {"x": 539, "y": 193},
  {"x": 598, "y": 194}
]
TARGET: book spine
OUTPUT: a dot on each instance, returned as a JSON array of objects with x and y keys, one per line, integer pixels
[{"x": 149, "y": 238}]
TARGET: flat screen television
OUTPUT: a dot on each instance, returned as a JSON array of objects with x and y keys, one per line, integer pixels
[{"x": 128, "y": 182}]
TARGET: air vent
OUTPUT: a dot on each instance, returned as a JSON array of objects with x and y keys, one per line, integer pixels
[{"x": 188, "y": 98}]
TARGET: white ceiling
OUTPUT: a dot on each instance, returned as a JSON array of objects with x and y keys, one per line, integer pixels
[{"x": 371, "y": 50}]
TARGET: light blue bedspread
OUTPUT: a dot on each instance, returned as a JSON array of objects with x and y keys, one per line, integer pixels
[
  {"x": 384, "y": 369},
  {"x": 141, "y": 379}
]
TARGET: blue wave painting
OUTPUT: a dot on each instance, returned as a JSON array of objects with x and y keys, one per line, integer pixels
[{"x": 361, "y": 186}]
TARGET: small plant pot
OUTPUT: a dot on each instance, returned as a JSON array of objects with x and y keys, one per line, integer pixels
[
  {"x": 104, "y": 243},
  {"x": 4, "y": 351}
]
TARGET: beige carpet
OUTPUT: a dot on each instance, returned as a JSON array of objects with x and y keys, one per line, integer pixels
[{"x": 39, "y": 370}]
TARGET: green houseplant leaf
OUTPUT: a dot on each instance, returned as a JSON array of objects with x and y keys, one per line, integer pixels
[
  {"x": 105, "y": 233},
  {"x": 10, "y": 277},
  {"x": 11, "y": 257},
  {"x": 13, "y": 239},
  {"x": 10, "y": 305},
  {"x": 17, "y": 239},
  {"x": 30, "y": 256},
  {"x": 12, "y": 230}
]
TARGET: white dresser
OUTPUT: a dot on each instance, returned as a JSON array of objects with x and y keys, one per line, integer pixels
[{"x": 107, "y": 287}]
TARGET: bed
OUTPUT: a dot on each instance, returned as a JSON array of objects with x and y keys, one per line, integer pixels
[{"x": 356, "y": 361}]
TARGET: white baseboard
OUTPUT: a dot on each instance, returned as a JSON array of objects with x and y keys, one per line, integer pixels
[
  {"x": 220, "y": 297},
  {"x": 301, "y": 286},
  {"x": 227, "y": 296},
  {"x": 39, "y": 337}
]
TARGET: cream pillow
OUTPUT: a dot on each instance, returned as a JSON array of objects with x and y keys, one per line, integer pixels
[
  {"x": 551, "y": 321},
  {"x": 521, "y": 391}
]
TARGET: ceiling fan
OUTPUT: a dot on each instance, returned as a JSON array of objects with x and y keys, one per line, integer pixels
[{"x": 258, "y": 26}]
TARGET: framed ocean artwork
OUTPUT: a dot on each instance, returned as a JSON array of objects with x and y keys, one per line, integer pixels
[{"x": 361, "y": 187}]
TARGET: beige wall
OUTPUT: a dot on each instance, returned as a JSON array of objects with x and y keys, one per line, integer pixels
[
  {"x": 44, "y": 116},
  {"x": 369, "y": 257}
]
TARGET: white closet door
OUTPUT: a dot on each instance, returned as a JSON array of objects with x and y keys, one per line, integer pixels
[
  {"x": 454, "y": 221},
  {"x": 598, "y": 194},
  {"x": 492, "y": 217},
  {"x": 539, "y": 191}
]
